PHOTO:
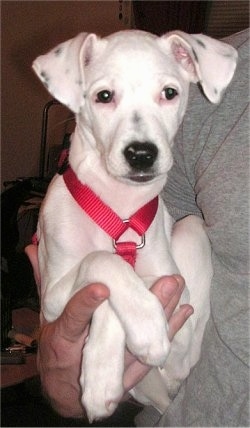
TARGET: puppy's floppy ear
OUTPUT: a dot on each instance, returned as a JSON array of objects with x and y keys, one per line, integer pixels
[
  {"x": 62, "y": 70},
  {"x": 208, "y": 61}
]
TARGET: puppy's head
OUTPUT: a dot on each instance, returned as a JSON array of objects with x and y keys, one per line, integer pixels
[{"x": 130, "y": 90}]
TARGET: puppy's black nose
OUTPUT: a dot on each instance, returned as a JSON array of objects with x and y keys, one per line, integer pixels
[{"x": 141, "y": 156}]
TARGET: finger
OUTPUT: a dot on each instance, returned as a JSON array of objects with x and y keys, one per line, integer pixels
[
  {"x": 134, "y": 373},
  {"x": 78, "y": 312},
  {"x": 175, "y": 298},
  {"x": 168, "y": 289},
  {"x": 178, "y": 319},
  {"x": 164, "y": 288},
  {"x": 129, "y": 359},
  {"x": 32, "y": 252}
]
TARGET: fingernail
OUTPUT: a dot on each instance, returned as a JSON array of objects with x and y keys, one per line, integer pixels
[
  {"x": 169, "y": 287},
  {"x": 180, "y": 281},
  {"x": 189, "y": 312},
  {"x": 99, "y": 298}
]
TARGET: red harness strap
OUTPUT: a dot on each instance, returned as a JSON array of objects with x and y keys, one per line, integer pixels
[{"x": 108, "y": 220}]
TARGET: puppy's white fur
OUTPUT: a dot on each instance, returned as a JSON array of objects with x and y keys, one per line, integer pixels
[{"x": 136, "y": 68}]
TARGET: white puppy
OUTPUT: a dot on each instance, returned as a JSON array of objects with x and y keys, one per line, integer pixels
[{"x": 129, "y": 92}]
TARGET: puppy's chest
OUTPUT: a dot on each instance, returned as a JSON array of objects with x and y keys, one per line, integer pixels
[
  {"x": 71, "y": 231},
  {"x": 74, "y": 232},
  {"x": 69, "y": 234}
]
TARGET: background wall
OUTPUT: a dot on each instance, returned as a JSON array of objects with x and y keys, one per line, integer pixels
[{"x": 30, "y": 28}]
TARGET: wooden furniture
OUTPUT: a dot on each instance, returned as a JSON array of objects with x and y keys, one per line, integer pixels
[{"x": 26, "y": 321}]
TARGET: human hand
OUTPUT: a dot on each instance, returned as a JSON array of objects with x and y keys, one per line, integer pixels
[{"x": 62, "y": 341}]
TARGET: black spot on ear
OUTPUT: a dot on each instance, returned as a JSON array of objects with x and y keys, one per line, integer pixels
[
  {"x": 44, "y": 75},
  {"x": 58, "y": 51},
  {"x": 195, "y": 55},
  {"x": 201, "y": 43},
  {"x": 215, "y": 91},
  {"x": 45, "y": 78},
  {"x": 87, "y": 60}
]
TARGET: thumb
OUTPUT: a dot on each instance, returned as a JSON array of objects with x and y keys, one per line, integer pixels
[{"x": 78, "y": 312}]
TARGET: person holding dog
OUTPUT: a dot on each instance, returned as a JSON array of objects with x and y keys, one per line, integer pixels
[{"x": 209, "y": 179}]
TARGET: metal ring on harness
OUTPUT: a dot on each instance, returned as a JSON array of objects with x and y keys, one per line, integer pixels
[{"x": 138, "y": 246}]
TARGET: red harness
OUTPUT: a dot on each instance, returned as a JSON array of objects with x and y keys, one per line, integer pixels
[{"x": 108, "y": 220}]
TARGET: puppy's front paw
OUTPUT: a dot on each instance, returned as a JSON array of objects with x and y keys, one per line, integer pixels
[
  {"x": 147, "y": 338},
  {"x": 100, "y": 400},
  {"x": 102, "y": 382}
]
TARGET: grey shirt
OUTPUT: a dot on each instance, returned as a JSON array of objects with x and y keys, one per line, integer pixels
[{"x": 210, "y": 178}]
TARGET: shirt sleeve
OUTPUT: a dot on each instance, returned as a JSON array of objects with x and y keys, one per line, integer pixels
[{"x": 178, "y": 193}]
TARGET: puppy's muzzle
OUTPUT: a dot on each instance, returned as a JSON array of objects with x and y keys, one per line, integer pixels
[{"x": 141, "y": 158}]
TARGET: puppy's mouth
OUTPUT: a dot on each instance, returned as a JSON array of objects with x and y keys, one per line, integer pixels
[{"x": 140, "y": 177}]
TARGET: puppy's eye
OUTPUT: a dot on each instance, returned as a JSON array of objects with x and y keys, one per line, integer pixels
[
  {"x": 169, "y": 93},
  {"x": 104, "y": 96}
]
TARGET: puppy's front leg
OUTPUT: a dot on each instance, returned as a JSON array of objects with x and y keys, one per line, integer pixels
[
  {"x": 138, "y": 310},
  {"x": 103, "y": 364}
]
